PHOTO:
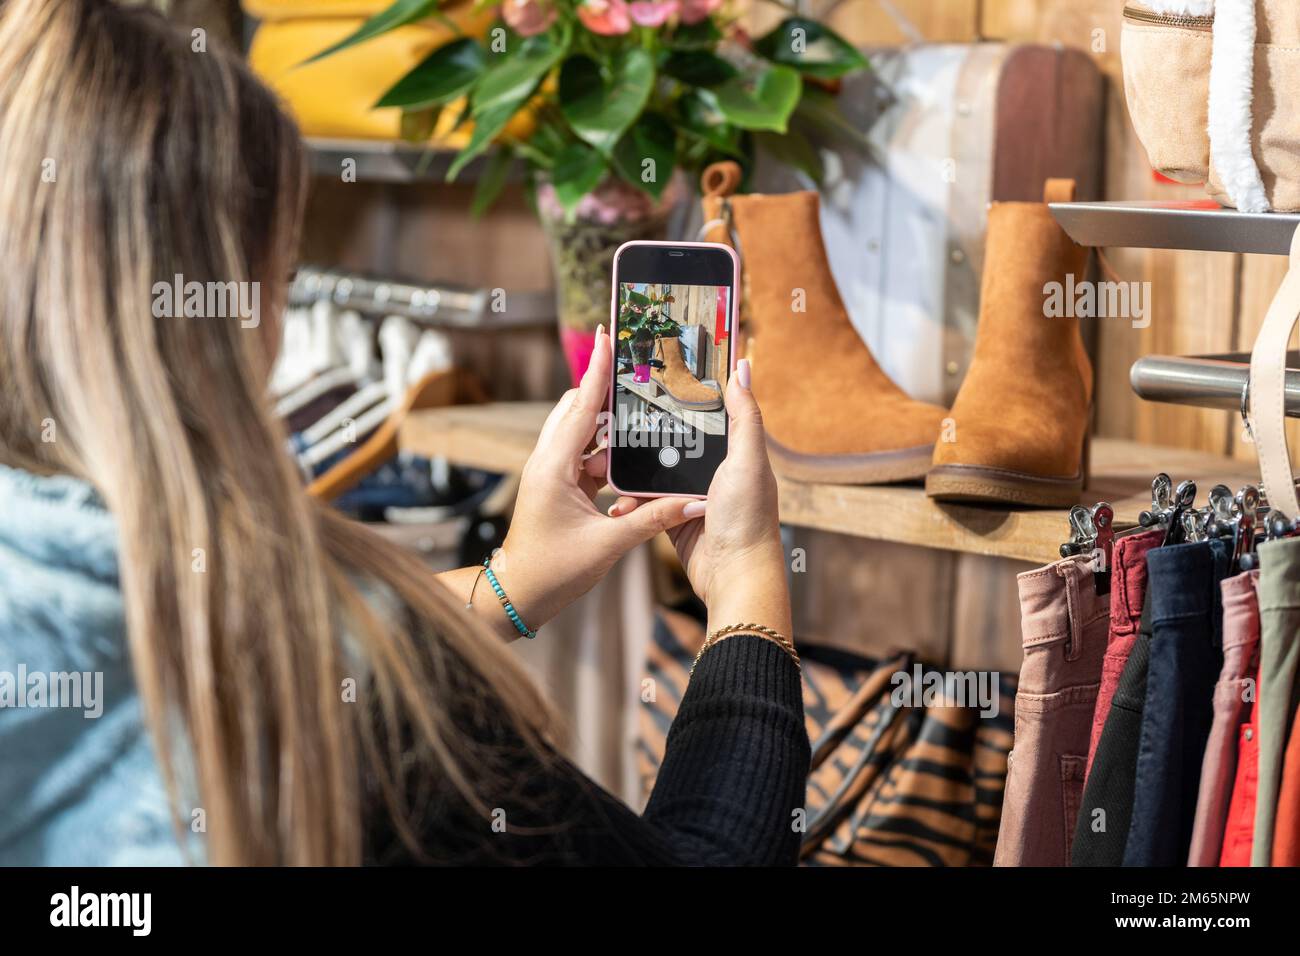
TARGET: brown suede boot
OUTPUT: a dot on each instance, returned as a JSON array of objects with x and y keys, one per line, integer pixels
[
  {"x": 676, "y": 379},
  {"x": 1020, "y": 420},
  {"x": 831, "y": 413}
]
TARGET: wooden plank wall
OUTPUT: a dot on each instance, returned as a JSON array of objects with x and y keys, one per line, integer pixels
[{"x": 1200, "y": 302}]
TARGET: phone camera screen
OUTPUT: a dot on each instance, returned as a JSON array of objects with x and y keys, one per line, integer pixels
[{"x": 672, "y": 350}]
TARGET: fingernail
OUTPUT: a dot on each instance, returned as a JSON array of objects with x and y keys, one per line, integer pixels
[
  {"x": 613, "y": 510},
  {"x": 742, "y": 373},
  {"x": 600, "y": 330},
  {"x": 694, "y": 509}
]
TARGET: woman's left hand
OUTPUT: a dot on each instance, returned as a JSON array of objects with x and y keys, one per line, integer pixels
[{"x": 559, "y": 544}]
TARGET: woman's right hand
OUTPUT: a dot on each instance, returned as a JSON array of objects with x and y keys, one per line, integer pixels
[{"x": 733, "y": 555}]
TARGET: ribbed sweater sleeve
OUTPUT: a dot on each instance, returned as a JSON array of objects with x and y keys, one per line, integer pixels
[
  {"x": 736, "y": 761},
  {"x": 733, "y": 776}
]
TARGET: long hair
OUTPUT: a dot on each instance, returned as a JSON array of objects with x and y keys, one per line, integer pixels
[{"x": 129, "y": 158}]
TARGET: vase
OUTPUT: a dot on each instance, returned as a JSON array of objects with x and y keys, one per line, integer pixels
[
  {"x": 642, "y": 348},
  {"x": 582, "y": 254}
]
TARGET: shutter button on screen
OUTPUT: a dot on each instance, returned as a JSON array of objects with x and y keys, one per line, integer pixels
[{"x": 670, "y": 456}]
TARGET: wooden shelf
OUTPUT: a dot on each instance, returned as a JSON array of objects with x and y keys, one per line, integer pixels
[{"x": 499, "y": 437}]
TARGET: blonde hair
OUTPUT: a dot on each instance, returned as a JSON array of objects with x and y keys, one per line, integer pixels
[{"x": 129, "y": 159}]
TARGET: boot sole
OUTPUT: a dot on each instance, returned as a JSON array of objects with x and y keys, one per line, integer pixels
[
  {"x": 975, "y": 484},
  {"x": 872, "y": 468},
  {"x": 711, "y": 406}
]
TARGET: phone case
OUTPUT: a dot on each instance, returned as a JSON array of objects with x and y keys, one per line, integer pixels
[{"x": 613, "y": 343}]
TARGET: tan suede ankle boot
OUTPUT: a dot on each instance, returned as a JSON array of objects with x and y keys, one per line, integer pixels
[
  {"x": 676, "y": 379},
  {"x": 1020, "y": 420},
  {"x": 831, "y": 413}
]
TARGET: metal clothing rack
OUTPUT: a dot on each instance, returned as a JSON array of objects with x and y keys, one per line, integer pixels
[
  {"x": 1206, "y": 381},
  {"x": 438, "y": 306}
]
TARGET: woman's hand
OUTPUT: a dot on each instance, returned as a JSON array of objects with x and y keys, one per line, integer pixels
[
  {"x": 559, "y": 544},
  {"x": 733, "y": 556}
]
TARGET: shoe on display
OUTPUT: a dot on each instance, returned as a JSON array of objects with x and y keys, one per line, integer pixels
[
  {"x": 831, "y": 413},
  {"x": 1019, "y": 424}
]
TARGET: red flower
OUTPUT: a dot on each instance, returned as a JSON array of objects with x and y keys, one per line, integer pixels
[{"x": 606, "y": 17}]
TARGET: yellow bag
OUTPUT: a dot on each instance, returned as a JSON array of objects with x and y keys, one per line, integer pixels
[
  {"x": 333, "y": 97},
  {"x": 291, "y": 9}
]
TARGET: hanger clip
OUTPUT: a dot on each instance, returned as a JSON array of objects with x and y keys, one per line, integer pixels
[
  {"x": 1092, "y": 533},
  {"x": 1247, "y": 506}
]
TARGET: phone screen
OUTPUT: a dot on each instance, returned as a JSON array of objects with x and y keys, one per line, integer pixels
[{"x": 672, "y": 328}]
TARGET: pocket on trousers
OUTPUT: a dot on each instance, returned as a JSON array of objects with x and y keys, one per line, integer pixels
[{"x": 1073, "y": 769}]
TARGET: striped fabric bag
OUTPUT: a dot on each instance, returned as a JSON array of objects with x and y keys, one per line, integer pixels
[{"x": 889, "y": 785}]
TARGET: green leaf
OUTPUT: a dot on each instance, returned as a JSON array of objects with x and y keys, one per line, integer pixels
[
  {"x": 812, "y": 48},
  {"x": 505, "y": 87},
  {"x": 446, "y": 73},
  {"x": 549, "y": 138},
  {"x": 578, "y": 170},
  {"x": 653, "y": 138},
  {"x": 598, "y": 111},
  {"x": 694, "y": 36},
  {"x": 418, "y": 125},
  {"x": 698, "y": 116},
  {"x": 697, "y": 68},
  {"x": 794, "y": 150},
  {"x": 399, "y": 14},
  {"x": 764, "y": 103},
  {"x": 512, "y": 77},
  {"x": 486, "y": 127},
  {"x": 493, "y": 180}
]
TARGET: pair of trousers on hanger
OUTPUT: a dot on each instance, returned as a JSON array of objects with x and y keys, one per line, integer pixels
[
  {"x": 1231, "y": 735},
  {"x": 1277, "y": 806},
  {"x": 1064, "y": 624}
]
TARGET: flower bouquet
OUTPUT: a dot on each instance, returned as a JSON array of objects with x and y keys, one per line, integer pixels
[{"x": 618, "y": 96}]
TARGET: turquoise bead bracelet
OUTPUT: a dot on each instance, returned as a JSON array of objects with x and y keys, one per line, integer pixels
[{"x": 511, "y": 613}]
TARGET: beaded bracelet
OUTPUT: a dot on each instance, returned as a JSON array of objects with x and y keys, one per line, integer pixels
[
  {"x": 755, "y": 630},
  {"x": 509, "y": 608}
]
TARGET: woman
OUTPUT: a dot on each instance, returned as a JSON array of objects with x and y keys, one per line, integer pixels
[{"x": 280, "y": 685}]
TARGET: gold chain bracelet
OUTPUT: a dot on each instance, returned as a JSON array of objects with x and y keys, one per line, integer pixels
[{"x": 757, "y": 630}]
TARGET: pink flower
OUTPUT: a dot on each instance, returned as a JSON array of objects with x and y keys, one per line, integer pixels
[
  {"x": 652, "y": 13},
  {"x": 606, "y": 17},
  {"x": 611, "y": 202},
  {"x": 693, "y": 11},
  {"x": 528, "y": 17}
]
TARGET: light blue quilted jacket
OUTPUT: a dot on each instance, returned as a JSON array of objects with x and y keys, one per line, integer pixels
[{"x": 75, "y": 789}]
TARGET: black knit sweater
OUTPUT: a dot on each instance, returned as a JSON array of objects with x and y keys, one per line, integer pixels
[{"x": 732, "y": 778}]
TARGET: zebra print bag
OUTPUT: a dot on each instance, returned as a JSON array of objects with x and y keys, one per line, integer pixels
[{"x": 889, "y": 785}]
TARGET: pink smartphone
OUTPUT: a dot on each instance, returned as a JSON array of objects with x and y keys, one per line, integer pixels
[{"x": 673, "y": 315}]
